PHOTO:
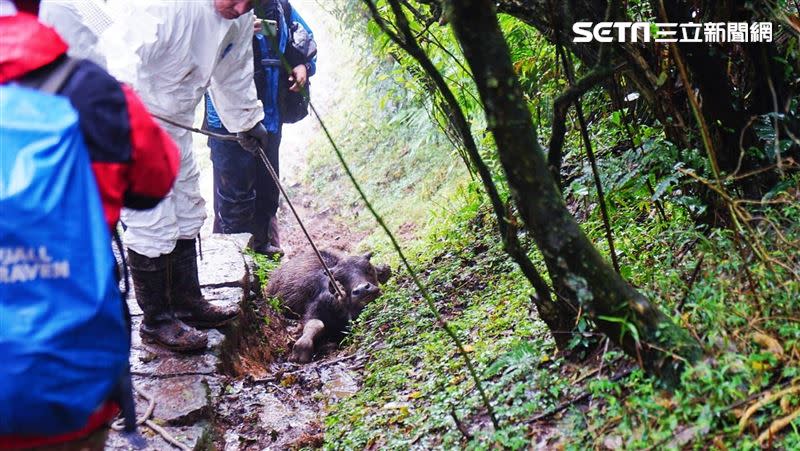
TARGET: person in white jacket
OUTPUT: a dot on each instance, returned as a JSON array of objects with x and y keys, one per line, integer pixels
[{"x": 171, "y": 52}]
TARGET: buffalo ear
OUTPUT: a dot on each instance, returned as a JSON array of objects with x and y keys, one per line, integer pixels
[
  {"x": 368, "y": 255},
  {"x": 384, "y": 273}
]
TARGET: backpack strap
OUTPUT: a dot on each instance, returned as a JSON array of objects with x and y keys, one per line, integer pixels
[
  {"x": 54, "y": 78},
  {"x": 287, "y": 16}
]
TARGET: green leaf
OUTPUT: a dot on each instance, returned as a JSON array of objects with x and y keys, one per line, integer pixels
[
  {"x": 662, "y": 78},
  {"x": 662, "y": 187}
]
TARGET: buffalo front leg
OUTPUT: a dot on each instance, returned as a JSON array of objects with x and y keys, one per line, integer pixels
[{"x": 304, "y": 347}]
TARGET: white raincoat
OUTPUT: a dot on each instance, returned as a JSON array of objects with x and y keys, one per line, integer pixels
[
  {"x": 79, "y": 23},
  {"x": 171, "y": 52}
]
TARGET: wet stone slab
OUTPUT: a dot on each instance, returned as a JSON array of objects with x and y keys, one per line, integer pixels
[
  {"x": 133, "y": 306},
  {"x": 179, "y": 401},
  {"x": 259, "y": 414},
  {"x": 136, "y": 340},
  {"x": 195, "y": 437},
  {"x": 181, "y": 384},
  {"x": 283, "y": 418},
  {"x": 147, "y": 363},
  {"x": 224, "y": 296},
  {"x": 215, "y": 338},
  {"x": 223, "y": 262}
]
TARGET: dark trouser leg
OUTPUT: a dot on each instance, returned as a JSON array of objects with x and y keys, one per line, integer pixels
[
  {"x": 235, "y": 172},
  {"x": 265, "y": 228}
]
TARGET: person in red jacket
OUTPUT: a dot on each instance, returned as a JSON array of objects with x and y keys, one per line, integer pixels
[{"x": 134, "y": 161}]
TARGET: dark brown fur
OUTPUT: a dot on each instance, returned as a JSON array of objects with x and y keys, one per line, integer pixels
[{"x": 306, "y": 291}]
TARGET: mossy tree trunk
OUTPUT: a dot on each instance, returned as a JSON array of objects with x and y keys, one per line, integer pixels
[{"x": 579, "y": 273}]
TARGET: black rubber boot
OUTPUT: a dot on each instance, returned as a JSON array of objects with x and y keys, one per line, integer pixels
[
  {"x": 187, "y": 299},
  {"x": 271, "y": 247},
  {"x": 160, "y": 326}
]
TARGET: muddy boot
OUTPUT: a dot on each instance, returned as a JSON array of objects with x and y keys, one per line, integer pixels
[
  {"x": 272, "y": 247},
  {"x": 159, "y": 325},
  {"x": 187, "y": 299}
]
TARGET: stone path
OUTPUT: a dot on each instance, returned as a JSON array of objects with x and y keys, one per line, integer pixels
[{"x": 185, "y": 386}]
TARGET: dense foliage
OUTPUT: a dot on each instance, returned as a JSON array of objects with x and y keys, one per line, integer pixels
[{"x": 717, "y": 249}]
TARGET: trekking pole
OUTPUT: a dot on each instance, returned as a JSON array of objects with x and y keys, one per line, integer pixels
[{"x": 276, "y": 179}]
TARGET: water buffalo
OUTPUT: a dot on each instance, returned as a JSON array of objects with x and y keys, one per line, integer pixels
[{"x": 307, "y": 292}]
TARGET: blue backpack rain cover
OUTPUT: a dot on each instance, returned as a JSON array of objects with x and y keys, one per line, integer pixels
[{"x": 63, "y": 337}]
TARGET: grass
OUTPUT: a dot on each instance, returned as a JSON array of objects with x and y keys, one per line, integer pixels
[
  {"x": 415, "y": 386},
  {"x": 263, "y": 268},
  {"x": 415, "y": 392},
  {"x": 415, "y": 383},
  {"x": 405, "y": 164}
]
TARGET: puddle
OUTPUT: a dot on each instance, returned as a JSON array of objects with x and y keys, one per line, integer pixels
[{"x": 338, "y": 384}]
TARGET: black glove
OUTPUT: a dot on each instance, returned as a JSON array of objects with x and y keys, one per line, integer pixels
[{"x": 253, "y": 139}]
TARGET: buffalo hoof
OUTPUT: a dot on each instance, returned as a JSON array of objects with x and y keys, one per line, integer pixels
[{"x": 302, "y": 351}]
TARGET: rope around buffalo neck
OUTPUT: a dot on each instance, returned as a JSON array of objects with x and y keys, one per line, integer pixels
[{"x": 277, "y": 181}]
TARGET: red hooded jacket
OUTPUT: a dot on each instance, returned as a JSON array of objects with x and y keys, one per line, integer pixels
[{"x": 134, "y": 161}]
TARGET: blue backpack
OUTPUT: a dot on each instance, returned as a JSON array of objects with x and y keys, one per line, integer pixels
[{"x": 63, "y": 335}]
